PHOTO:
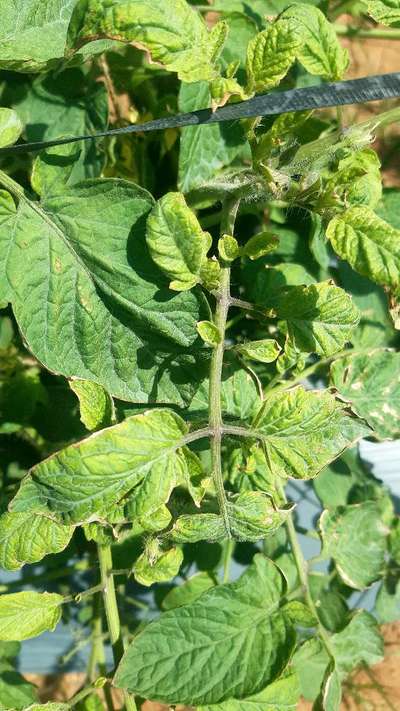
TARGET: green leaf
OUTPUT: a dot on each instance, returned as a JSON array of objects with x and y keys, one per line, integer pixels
[
  {"x": 209, "y": 332},
  {"x": 174, "y": 34},
  {"x": 360, "y": 641},
  {"x": 189, "y": 591},
  {"x": 271, "y": 54},
  {"x": 15, "y": 692},
  {"x": 265, "y": 351},
  {"x": 259, "y": 245},
  {"x": 25, "y": 538},
  {"x": 369, "y": 244},
  {"x": 32, "y": 34},
  {"x": 28, "y": 614},
  {"x": 303, "y": 431},
  {"x": 49, "y": 707},
  {"x": 81, "y": 318},
  {"x": 96, "y": 405},
  {"x": 357, "y": 181},
  {"x": 387, "y": 603},
  {"x": 252, "y": 643},
  {"x": 198, "y": 527},
  {"x": 282, "y": 695},
  {"x": 70, "y": 103},
  {"x": 85, "y": 481},
  {"x": 10, "y": 127},
  {"x": 370, "y": 383},
  {"x": 53, "y": 169},
  {"x": 165, "y": 566},
  {"x": 320, "y": 317},
  {"x": 299, "y": 614},
  {"x": 176, "y": 241},
  {"x": 385, "y": 11},
  {"x": 355, "y": 537},
  {"x": 310, "y": 662},
  {"x": 204, "y": 150},
  {"x": 319, "y": 51}
]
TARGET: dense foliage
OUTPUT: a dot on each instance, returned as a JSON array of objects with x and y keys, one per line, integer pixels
[{"x": 189, "y": 321}]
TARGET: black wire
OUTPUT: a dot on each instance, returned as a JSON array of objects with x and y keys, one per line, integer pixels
[{"x": 353, "y": 91}]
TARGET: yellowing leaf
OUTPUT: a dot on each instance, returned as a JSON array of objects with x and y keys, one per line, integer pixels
[
  {"x": 171, "y": 31},
  {"x": 265, "y": 351},
  {"x": 25, "y": 538},
  {"x": 271, "y": 54},
  {"x": 96, "y": 405},
  {"x": 10, "y": 127},
  {"x": 209, "y": 332},
  {"x": 28, "y": 614},
  {"x": 385, "y": 11}
]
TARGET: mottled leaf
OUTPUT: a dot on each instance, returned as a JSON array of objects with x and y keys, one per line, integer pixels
[
  {"x": 370, "y": 382},
  {"x": 85, "y": 481},
  {"x": 160, "y": 569},
  {"x": 271, "y": 54},
  {"x": 320, "y": 317},
  {"x": 385, "y": 11},
  {"x": 304, "y": 431},
  {"x": 355, "y": 537},
  {"x": 173, "y": 33}
]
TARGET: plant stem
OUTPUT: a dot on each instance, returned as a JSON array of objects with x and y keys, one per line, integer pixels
[
  {"x": 227, "y": 559},
  {"x": 301, "y": 565},
  {"x": 229, "y": 211},
  {"x": 364, "y": 33},
  {"x": 112, "y": 615}
]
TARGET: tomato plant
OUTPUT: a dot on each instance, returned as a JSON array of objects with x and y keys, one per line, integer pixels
[{"x": 189, "y": 321}]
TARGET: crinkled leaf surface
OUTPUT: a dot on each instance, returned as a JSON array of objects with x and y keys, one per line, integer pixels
[
  {"x": 320, "y": 51},
  {"x": 49, "y": 707},
  {"x": 25, "y": 538},
  {"x": 355, "y": 537},
  {"x": 282, "y": 695},
  {"x": 176, "y": 241},
  {"x": 164, "y": 568},
  {"x": 369, "y": 243},
  {"x": 370, "y": 382},
  {"x": 251, "y": 643},
  {"x": 173, "y": 33},
  {"x": 321, "y": 317},
  {"x": 304, "y": 431},
  {"x": 204, "y": 149},
  {"x": 85, "y": 481},
  {"x": 92, "y": 304},
  {"x": 96, "y": 405},
  {"x": 33, "y": 32},
  {"x": 271, "y": 54},
  {"x": 360, "y": 641},
  {"x": 385, "y": 11},
  {"x": 10, "y": 127},
  {"x": 28, "y": 614}
]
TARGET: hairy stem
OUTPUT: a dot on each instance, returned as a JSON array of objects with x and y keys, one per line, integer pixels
[
  {"x": 112, "y": 615},
  {"x": 229, "y": 212},
  {"x": 301, "y": 565}
]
